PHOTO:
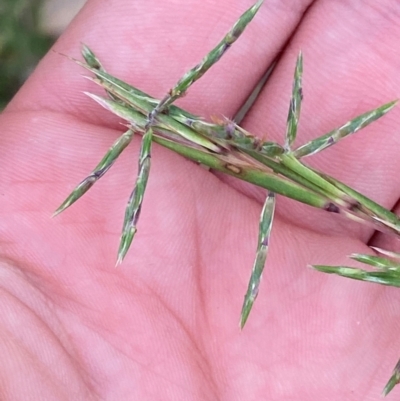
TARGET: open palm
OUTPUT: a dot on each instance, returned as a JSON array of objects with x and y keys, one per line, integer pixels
[{"x": 164, "y": 325}]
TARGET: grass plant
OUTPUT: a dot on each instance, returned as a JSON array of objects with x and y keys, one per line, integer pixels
[{"x": 227, "y": 147}]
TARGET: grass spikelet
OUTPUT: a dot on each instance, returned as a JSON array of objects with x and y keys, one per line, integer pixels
[
  {"x": 266, "y": 220},
  {"x": 105, "y": 164},
  {"x": 295, "y": 104},
  {"x": 352, "y": 126}
]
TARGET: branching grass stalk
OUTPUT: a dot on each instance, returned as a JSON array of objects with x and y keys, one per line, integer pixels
[
  {"x": 224, "y": 146},
  {"x": 233, "y": 136},
  {"x": 133, "y": 105}
]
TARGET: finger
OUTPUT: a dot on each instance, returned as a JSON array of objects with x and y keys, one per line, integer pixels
[{"x": 351, "y": 63}]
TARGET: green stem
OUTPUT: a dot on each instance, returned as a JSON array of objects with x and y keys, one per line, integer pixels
[
  {"x": 287, "y": 172},
  {"x": 250, "y": 174},
  {"x": 385, "y": 215},
  {"x": 292, "y": 163}
]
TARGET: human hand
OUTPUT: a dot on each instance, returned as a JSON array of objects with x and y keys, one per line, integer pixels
[{"x": 164, "y": 325}]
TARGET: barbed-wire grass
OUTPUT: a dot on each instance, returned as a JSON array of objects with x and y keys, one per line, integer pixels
[{"x": 224, "y": 146}]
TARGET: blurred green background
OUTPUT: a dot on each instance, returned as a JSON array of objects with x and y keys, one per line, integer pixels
[{"x": 27, "y": 30}]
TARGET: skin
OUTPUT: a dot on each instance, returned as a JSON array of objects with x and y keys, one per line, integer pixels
[{"x": 164, "y": 325}]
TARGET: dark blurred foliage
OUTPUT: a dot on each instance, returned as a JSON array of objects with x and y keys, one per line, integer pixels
[{"x": 22, "y": 44}]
